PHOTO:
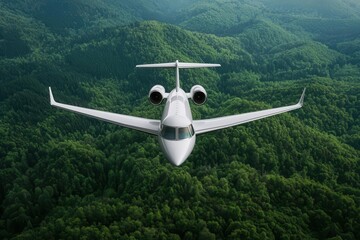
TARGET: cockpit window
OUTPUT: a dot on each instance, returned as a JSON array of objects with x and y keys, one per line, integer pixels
[
  {"x": 172, "y": 133},
  {"x": 168, "y": 133},
  {"x": 184, "y": 133}
]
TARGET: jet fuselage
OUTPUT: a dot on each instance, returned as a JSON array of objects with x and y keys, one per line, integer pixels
[{"x": 176, "y": 133}]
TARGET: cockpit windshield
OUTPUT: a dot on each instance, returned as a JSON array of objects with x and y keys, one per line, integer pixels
[{"x": 177, "y": 133}]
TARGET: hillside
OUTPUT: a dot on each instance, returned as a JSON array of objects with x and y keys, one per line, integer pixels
[
  {"x": 331, "y": 9},
  {"x": 60, "y": 16},
  {"x": 66, "y": 176}
]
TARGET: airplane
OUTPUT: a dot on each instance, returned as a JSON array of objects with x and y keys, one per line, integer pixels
[{"x": 177, "y": 131}]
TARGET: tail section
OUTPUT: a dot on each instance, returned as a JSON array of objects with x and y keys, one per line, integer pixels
[{"x": 178, "y": 65}]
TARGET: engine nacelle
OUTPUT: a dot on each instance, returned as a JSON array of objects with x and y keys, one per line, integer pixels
[
  {"x": 156, "y": 94},
  {"x": 198, "y": 94}
]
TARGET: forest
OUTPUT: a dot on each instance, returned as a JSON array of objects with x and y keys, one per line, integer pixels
[{"x": 292, "y": 176}]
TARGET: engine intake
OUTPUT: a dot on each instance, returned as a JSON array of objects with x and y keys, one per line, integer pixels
[
  {"x": 156, "y": 94},
  {"x": 198, "y": 95}
]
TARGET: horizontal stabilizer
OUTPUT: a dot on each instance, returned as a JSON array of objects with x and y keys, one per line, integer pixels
[{"x": 179, "y": 65}]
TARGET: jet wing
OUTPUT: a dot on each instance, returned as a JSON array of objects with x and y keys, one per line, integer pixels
[
  {"x": 142, "y": 124},
  {"x": 207, "y": 125}
]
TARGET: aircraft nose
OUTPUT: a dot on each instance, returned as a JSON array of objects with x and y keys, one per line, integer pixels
[
  {"x": 177, "y": 160},
  {"x": 177, "y": 151}
]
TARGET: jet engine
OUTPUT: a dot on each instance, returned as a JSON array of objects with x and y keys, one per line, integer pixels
[
  {"x": 198, "y": 94},
  {"x": 156, "y": 94}
]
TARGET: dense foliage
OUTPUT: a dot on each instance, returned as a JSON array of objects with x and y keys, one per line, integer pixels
[{"x": 294, "y": 176}]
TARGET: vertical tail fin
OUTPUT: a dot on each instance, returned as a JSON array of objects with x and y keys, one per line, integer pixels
[{"x": 177, "y": 76}]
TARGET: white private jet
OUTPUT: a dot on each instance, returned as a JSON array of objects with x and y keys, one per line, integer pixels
[{"x": 177, "y": 130}]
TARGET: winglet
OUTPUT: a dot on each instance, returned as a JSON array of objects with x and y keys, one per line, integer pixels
[
  {"x": 52, "y": 101},
  {"x": 301, "y": 101}
]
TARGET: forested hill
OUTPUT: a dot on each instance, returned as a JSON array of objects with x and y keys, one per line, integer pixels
[{"x": 293, "y": 176}]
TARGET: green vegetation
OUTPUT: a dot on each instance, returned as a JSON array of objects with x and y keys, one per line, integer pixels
[{"x": 294, "y": 176}]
